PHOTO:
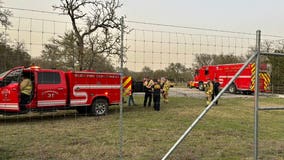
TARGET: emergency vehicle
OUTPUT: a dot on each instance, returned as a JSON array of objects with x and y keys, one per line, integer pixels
[
  {"x": 225, "y": 72},
  {"x": 86, "y": 91}
]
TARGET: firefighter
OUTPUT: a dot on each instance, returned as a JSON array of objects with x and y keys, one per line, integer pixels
[
  {"x": 148, "y": 84},
  {"x": 26, "y": 90},
  {"x": 209, "y": 91},
  {"x": 130, "y": 95},
  {"x": 157, "y": 94},
  {"x": 216, "y": 89},
  {"x": 165, "y": 89}
]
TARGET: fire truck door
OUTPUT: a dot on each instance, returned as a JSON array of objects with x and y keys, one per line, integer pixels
[
  {"x": 10, "y": 90},
  {"x": 51, "y": 90}
]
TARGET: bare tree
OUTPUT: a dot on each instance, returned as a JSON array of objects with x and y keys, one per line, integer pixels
[
  {"x": 100, "y": 22},
  {"x": 4, "y": 16},
  {"x": 109, "y": 45},
  {"x": 267, "y": 46}
]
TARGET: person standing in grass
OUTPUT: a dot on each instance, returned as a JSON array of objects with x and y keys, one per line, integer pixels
[
  {"x": 148, "y": 84},
  {"x": 165, "y": 89},
  {"x": 157, "y": 94},
  {"x": 130, "y": 95},
  {"x": 216, "y": 89},
  {"x": 209, "y": 91}
]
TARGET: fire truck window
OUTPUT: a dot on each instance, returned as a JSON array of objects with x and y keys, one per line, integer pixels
[
  {"x": 206, "y": 72},
  {"x": 12, "y": 77},
  {"x": 4, "y": 73},
  {"x": 49, "y": 78}
]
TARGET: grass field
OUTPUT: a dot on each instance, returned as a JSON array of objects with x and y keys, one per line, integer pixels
[{"x": 226, "y": 132}]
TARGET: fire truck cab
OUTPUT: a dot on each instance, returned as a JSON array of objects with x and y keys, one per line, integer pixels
[{"x": 86, "y": 91}]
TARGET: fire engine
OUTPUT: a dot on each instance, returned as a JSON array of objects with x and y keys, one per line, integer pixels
[
  {"x": 224, "y": 72},
  {"x": 86, "y": 91}
]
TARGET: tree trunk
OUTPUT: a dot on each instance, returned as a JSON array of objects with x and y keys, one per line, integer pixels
[{"x": 81, "y": 53}]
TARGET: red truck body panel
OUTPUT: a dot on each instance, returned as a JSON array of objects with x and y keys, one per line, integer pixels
[
  {"x": 9, "y": 98},
  {"x": 225, "y": 72},
  {"x": 84, "y": 87},
  {"x": 56, "y": 89},
  {"x": 51, "y": 88},
  {"x": 10, "y": 90}
]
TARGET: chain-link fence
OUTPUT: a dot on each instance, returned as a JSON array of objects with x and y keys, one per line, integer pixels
[{"x": 151, "y": 50}]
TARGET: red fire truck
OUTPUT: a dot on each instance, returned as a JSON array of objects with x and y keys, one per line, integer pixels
[
  {"x": 224, "y": 72},
  {"x": 86, "y": 91}
]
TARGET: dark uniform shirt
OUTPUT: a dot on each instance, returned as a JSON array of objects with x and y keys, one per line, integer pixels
[
  {"x": 157, "y": 89},
  {"x": 216, "y": 88}
]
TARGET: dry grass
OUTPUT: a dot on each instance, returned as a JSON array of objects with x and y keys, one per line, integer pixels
[{"x": 226, "y": 132}]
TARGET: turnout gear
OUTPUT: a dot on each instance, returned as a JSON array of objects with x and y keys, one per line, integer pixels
[
  {"x": 209, "y": 91},
  {"x": 165, "y": 89}
]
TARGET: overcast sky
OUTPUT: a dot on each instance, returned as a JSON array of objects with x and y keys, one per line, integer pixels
[
  {"x": 235, "y": 15},
  {"x": 238, "y": 16}
]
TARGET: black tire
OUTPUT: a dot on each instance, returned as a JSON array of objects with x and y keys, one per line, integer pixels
[
  {"x": 247, "y": 92},
  {"x": 99, "y": 107},
  {"x": 201, "y": 86},
  {"x": 82, "y": 110},
  {"x": 232, "y": 88},
  {"x": 189, "y": 86}
]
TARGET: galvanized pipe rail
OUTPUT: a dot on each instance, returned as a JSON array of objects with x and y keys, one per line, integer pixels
[
  {"x": 256, "y": 93},
  {"x": 270, "y": 108},
  {"x": 272, "y": 54}
]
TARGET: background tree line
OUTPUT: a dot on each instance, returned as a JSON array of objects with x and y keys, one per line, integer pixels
[
  {"x": 11, "y": 56},
  {"x": 95, "y": 39},
  {"x": 277, "y": 67},
  {"x": 176, "y": 72}
]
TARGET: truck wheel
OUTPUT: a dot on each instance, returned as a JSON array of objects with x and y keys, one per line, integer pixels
[
  {"x": 201, "y": 86},
  {"x": 232, "y": 88},
  {"x": 99, "y": 107}
]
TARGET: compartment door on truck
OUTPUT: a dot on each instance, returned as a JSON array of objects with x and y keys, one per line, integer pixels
[
  {"x": 51, "y": 89},
  {"x": 10, "y": 90}
]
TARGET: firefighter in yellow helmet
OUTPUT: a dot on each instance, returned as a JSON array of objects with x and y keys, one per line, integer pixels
[
  {"x": 26, "y": 90},
  {"x": 209, "y": 91},
  {"x": 165, "y": 89}
]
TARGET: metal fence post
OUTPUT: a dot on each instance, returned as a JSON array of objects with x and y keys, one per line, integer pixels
[
  {"x": 121, "y": 91},
  {"x": 256, "y": 94}
]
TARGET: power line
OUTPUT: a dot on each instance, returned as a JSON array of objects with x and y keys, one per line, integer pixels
[
  {"x": 186, "y": 27},
  {"x": 156, "y": 24},
  {"x": 31, "y": 10},
  {"x": 199, "y": 28},
  {"x": 42, "y": 19}
]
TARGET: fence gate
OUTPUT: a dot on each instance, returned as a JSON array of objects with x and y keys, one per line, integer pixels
[{"x": 257, "y": 107}]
